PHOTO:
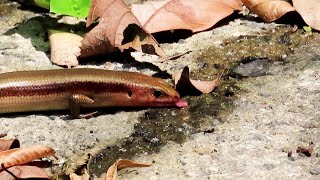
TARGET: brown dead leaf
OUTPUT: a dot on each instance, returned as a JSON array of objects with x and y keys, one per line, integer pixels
[
  {"x": 118, "y": 29},
  {"x": 197, "y": 15},
  {"x": 19, "y": 156},
  {"x": 65, "y": 48},
  {"x": 309, "y": 11},
  {"x": 23, "y": 172},
  {"x": 6, "y": 144},
  {"x": 97, "y": 9},
  {"x": 121, "y": 164},
  {"x": 185, "y": 85},
  {"x": 268, "y": 10}
]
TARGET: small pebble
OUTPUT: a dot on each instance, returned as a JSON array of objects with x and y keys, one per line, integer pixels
[
  {"x": 315, "y": 171},
  {"x": 259, "y": 67}
]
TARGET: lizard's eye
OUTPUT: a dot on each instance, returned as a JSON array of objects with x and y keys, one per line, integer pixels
[
  {"x": 157, "y": 93},
  {"x": 129, "y": 93}
]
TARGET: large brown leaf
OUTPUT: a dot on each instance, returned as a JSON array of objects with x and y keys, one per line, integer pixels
[
  {"x": 118, "y": 28},
  {"x": 195, "y": 15},
  {"x": 268, "y": 10},
  {"x": 19, "y": 156},
  {"x": 309, "y": 11},
  {"x": 121, "y": 164},
  {"x": 97, "y": 9},
  {"x": 24, "y": 172}
]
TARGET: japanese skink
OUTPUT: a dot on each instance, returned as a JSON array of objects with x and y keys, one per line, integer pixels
[{"x": 62, "y": 89}]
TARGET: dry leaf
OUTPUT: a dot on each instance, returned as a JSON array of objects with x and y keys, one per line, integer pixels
[
  {"x": 118, "y": 29},
  {"x": 19, "y": 156},
  {"x": 309, "y": 11},
  {"x": 97, "y": 9},
  {"x": 185, "y": 85},
  {"x": 268, "y": 10},
  {"x": 6, "y": 144},
  {"x": 197, "y": 15},
  {"x": 121, "y": 164},
  {"x": 65, "y": 48},
  {"x": 24, "y": 172}
]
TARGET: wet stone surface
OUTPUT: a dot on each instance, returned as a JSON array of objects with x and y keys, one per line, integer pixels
[{"x": 157, "y": 127}]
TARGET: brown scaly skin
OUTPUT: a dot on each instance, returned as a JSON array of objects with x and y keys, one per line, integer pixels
[{"x": 62, "y": 89}]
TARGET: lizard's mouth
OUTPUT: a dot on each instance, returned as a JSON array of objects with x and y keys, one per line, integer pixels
[{"x": 172, "y": 102}]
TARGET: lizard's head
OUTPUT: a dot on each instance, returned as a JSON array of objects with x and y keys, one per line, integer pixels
[{"x": 157, "y": 93}]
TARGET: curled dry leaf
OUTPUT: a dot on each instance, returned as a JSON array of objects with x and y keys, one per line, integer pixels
[
  {"x": 23, "y": 172},
  {"x": 121, "y": 164},
  {"x": 268, "y": 10},
  {"x": 185, "y": 85},
  {"x": 19, "y": 156},
  {"x": 309, "y": 12},
  {"x": 183, "y": 14},
  {"x": 65, "y": 48},
  {"x": 6, "y": 144},
  {"x": 118, "y": 28}
]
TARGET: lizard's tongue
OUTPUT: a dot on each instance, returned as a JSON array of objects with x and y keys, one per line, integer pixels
[{"x": 182, "y": 103}]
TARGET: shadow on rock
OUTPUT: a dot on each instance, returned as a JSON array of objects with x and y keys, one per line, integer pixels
[{"x": 37, "y": 30}]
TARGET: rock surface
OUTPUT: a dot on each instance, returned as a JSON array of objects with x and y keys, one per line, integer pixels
[{"x": 279, "y": 113}]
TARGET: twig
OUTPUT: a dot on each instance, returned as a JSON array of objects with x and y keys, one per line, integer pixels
[{"x": 5, "y": 169}]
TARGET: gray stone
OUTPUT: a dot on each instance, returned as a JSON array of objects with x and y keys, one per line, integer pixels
[
  {"x": 254, "y": 68},
  {"x": 315, "y": 171}
]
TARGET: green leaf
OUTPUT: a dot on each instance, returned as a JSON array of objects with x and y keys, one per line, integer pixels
[
  {"x": 42, "y": 3},
  {"x": 77, "y": 8}
]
